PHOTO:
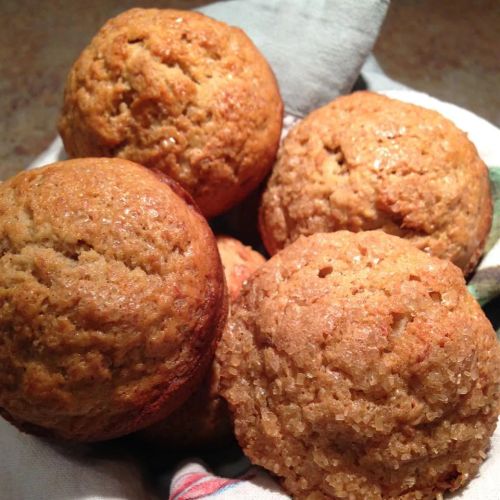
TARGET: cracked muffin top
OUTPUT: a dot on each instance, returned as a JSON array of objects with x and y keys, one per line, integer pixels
[
  {"x": 365, "y": 162},
  {"x": 357, "y": 366},
  {"x": 181, "y": 92},
  {"x": 112, "y": 298}
]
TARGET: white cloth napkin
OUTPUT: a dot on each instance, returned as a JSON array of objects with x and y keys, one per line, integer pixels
[{"x": 34, "y": 469}]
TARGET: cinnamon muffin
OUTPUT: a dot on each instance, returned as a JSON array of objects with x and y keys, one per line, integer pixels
[
  {"x": 112, "y": 299},
  {"x": 357, "y": 366},
  {"x": 181, "y": 92},
  {"x": 203, "y": 421},
  {"x": 365, "y": 162}
]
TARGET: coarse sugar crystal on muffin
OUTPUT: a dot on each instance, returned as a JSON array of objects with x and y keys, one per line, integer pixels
[
  {"x": 181, "y": 92},
  {"x": 112, "y": 299},
  {"x": 364, "y": 162},
  {"x": 204, "y": 421},
  {"x": 357, "y": 366}
]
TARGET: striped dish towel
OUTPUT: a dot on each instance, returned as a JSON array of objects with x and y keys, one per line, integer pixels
[{"x": 193, "y": 481}]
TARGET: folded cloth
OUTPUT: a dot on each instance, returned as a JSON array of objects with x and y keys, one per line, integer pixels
[
  {"x": 193, "y": 480},
  {"x": 32, "y": 468},
  {"x": 316, "y": 49}
]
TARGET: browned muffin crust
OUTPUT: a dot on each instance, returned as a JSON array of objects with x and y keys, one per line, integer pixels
[
  {"x": 366, "y": 161},
  {"x": 204, "y": 421},
  {"x": 357, "y": 366},
  {"x": 239, "y": 262},
  {"x": 181, "y": 92},
  {"x": 112, "y": 299}
]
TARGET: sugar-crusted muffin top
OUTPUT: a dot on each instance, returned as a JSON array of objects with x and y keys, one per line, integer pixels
[
  {"x": 111, "y": 295},
  {"x": 178, "y": 91},
  {"x": 355, "y": 364},
  {"x": 365, "y": 162}
]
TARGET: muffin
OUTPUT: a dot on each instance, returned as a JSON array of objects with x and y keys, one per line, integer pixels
[
  {"x": 366, "y": 162},
  {"x": 181, "y": 92},
  {"x": 357, "y": 366},
  {"x": 239, "y": 262},
  {"x": 112, "y": 299},
  {"x": 204, "y": 421}
]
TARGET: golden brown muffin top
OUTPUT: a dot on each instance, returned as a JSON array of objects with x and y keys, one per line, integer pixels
[
  {"x": 181, "y": 92},
  {"x": 355, "y": 364},
  {"x": 239, "y": 261},
  {"x": 111, "y": 293},
  {"x": 366, "y": 161}
]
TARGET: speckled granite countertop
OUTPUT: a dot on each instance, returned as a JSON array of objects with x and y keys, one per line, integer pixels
[{"x": 447, "y": 48}]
